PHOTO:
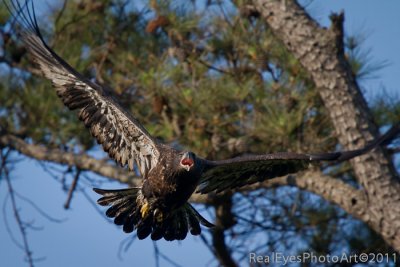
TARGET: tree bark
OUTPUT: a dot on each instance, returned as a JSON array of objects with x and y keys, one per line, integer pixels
[{"x": 320, "y": 51}]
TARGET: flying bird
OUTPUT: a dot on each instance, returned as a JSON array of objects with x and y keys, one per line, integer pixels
[{"x": 159, "y": 208}]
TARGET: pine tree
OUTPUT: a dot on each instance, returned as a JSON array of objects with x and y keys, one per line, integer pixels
[{"x": 212, "y": 76}]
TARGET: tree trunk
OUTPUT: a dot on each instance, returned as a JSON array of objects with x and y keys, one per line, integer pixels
[{"x": 320, "y": 51}]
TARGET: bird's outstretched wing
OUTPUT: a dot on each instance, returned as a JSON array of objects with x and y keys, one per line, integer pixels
[
  {"x": 120, "y": 134},
  {"x": 237, "y": 172}
]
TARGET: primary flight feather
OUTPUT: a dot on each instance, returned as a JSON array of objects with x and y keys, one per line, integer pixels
[{"x": 159, "y": 208}]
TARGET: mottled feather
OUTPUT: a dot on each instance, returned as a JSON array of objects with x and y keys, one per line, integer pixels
[
  {"x": 159, "y": 208},
  {"x": 120, "y": 134}
]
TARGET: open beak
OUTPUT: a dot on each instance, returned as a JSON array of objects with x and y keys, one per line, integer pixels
[{"x": 187, "y": 161}]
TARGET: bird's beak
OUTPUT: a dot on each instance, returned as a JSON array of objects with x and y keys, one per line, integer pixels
[{"x": 187, "y": 161}]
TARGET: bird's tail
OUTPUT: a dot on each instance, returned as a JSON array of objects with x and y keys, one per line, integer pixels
[
  {"x": 124, "y": 206},
  {"x": 179, "y": 223},
  {"x": 127, "y": 208}
]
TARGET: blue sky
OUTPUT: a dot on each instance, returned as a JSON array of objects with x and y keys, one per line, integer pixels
[
  {"x": 379, "y": 22},
  {"x": 86, "y": 238}
]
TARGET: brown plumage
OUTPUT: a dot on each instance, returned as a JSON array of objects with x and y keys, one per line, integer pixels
[{"x": 159, "y": 207}]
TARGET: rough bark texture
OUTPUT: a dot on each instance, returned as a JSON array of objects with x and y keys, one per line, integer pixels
[{"x": 320, "y": 52}]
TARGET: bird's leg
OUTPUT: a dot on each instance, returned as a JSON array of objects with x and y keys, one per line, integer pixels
[{"x": 144, "y": 210}]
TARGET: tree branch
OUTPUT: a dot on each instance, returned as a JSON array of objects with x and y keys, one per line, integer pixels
[
  {"x": 72, "y": 189},
  {"x": 354, "y": 201},
  {"x": 81, "y": 161},
  {"x": 20, "y": 223},
  {"x": 319, "y": 51},
  {"x": 224, "y": 220}
]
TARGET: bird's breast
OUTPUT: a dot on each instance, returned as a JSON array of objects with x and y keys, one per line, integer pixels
[{"x": 172, "y": 189}]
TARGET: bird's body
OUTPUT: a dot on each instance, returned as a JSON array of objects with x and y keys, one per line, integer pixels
[
  {"x": 168, "y": 188},
  {"x": 170, "y": 184},
  {"x": 159, "y": 207}
]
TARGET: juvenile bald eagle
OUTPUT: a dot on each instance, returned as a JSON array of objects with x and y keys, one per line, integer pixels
[{"x": 159, "y": 207}]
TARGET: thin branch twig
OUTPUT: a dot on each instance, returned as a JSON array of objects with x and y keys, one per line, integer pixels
[
  {"x": 17, "y": 216},
  {"x": 72, "y": 189}
]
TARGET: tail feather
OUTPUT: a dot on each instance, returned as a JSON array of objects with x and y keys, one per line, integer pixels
[
  {"x": 194, "y": 225},
  {"x": 112, "y": 196},
  {"x": 144, "y": 228},
  {"x": 131, "y": 221},
  {"x": 158, "y": 232},
  {"x": 122, "y": 217},
  {"x": 125, "y": 209},
  {"x": 198, "y": 216},
  {"x": 182, "y": 221},
  {"x": 104, "y": 201},
  {"x": 170, "y": 231},
  {"x": 117, "y": 209},
  {"x": 182, "y": 225}
]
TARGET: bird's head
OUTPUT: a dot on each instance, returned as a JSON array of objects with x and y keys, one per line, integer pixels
[{"x": 188, "y": 160}]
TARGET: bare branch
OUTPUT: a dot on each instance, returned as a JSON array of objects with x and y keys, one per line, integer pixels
[
  {"x": 352, "y": 200},
  {"x": 17, "y": 216},
  {"x": 224, "y": 220},
  {"x": 81, "y": 161},
  {"x": 72, "y": 189},
  {"x": 39, "y": 210}
]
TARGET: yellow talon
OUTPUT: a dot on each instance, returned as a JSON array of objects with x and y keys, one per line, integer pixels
[{"x": 144, "y": 210}]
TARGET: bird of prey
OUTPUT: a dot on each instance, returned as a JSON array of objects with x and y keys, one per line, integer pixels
[{"x": 159, "y": 207}]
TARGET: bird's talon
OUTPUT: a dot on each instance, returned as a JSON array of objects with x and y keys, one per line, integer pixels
[{"x": 144, "y": 210}]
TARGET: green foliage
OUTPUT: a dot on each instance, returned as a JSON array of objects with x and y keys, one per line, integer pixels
[
  {"x": 360, "y": 58},
  {"x": 386, "y": 108}
]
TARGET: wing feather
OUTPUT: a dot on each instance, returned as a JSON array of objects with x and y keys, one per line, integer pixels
[
  {"x": 237, "y": 172},
  {"x": 233, "y": 173},
  {"x": 120, "y": 134}
]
